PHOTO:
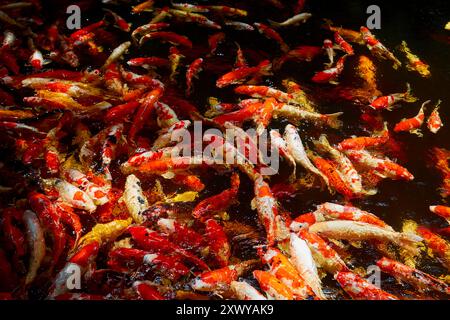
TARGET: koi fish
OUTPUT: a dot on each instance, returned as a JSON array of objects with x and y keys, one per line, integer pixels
[
  {"x": 239, "y": 75},
  {"x": 293, "y": 21},
  {"x": 220, "y": 279},
  {"x": 439, "y": 246},
  {"x": 334, "y": 177},
  {"x": 298, "y": 152},
  {"x": 344, "y": 45},
  {"x": 360, "y": 289},
  {"x": 135, "y": 199},
  {"x": 73, "y": 196},
  {"x": 412, "y": 124},
  {"x": 344, "y": 165},
  {"x": 377, "y": 48},
  {"x": 442, "y": 211},
  {"x": 303, "y": 260},
  {"x": 36, "y": 243},
  {"x": 420, "y": 280},
  {"x": 244, "y": 291},
  {"x": 414, "y": 62},
  {"x": 332, "y": 211},
  {"x": 273, "y": 287},
  {"x": 359, "y": 143},
  {"x": 328, "y": 48},
  {"x": 285, "y": 271},
  {"x": 267, "y": 208},
  {"x": 167, "y": 36},
  {"x": 192, "y": 72},
  {"x": 330, "y": 75},
  {"x": 434, "y": 122},
  {"x": 359, "y": 231},
  {"x": 325, "y": 256},
  {"x": 384, "y": 168}
]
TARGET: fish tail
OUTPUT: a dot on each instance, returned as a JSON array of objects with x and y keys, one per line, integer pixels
[
  {"x": 409, "y": 242},
  {"x": 274, "y": 23},
  {"x": 333, "y": 121},
  {"x": 279, "y": 62},
  {"x": 322, "y": 143},
  {"x": 408, "y": 96},
  {"x": 266, "y": 70}
]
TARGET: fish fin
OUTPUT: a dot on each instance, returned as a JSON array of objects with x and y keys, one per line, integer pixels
[
  {"x": 332, "y": 120},
  {"x": 407, "y": 96},
  {"x": 409, "y": 242},
  {"x": 274, "y": 23}
]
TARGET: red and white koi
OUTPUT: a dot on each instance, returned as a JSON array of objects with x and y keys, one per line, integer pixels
[
  {"x": 147, "y": 28},
  {"x": 192, "y": 72},
  {"x": 344, "y": 165},
  {"x": 325, "y": 256},
  {"x": 170, "y": 135},
  {"x": 267, "y": 208},
  {"x": 442, "y": 211},
  {"x": 220, "y": 279},
  {"x": 168, "y": 266},
  {"x": 152, "y": 241},
  {"x": 439, "y": 246},
  {"x": 166, "y": 116},
  {"x": 97, "y": 193},
  {"x": 334, "y": 211},
  {"x": 148, "y": 62},
  {"x": 263, "y": 92},
  {"x": 413, "y": 124},
  {"x": 330, "y": 75},
  {"x": 81, "y": 260},
  {"x": 360, "y": 289},
  {"x": 384, "y": 168},
  {"x": 328, "y": 48},
  {"x": 141, "y": 158},
  {"x": 420, "y": 280},
  {"x": 239, "y": 75},
  {"x": 377, "y": 48},
  {"x": 434, "y": 122},
  {"x": 359, "y": 143},
  {"x": 167, "y": 36},
  {"x": 344, "y": 45},
  {"x": 278, "y": 142},
  {"x": 73, "y": 196}
]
